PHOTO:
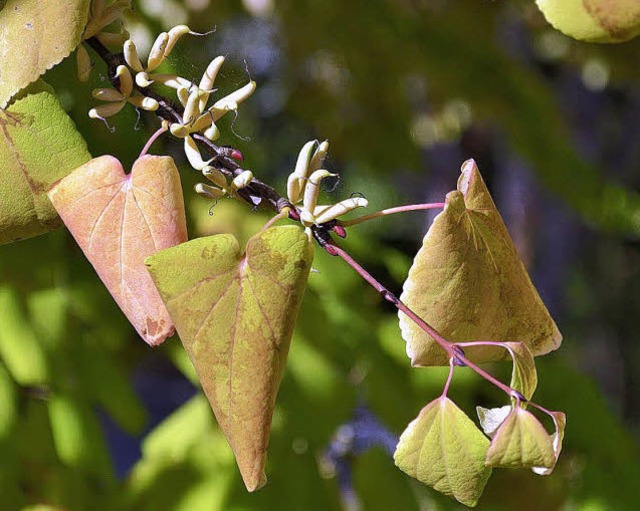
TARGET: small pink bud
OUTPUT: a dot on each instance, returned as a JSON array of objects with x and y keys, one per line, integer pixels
[
  {"x": 340, "y": 231},
  {"x": 237, "y": 155}
]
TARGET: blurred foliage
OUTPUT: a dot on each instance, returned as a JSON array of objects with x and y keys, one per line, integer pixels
[{"x": 90, "y": 418}]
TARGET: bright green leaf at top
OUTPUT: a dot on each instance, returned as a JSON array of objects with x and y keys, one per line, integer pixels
[
  {"x": 468, "y": 282},
  {"x": 520, "y": 442},
  {"x": 235, "y": 314},
  {"x": 39, "y": 145},
  {"x": 598, "y": 21},
  {"x": 36, "y": 35},
  {"x": 444, "y": 449}
]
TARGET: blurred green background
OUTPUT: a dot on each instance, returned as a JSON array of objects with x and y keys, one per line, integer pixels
[{"x": 405, "y": 90}]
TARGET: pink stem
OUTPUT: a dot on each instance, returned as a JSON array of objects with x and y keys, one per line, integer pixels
[
  {"x": 283, "y": 214},
  {"x": 151, "y": 140},
  {"x": 445, "y": 391},
  {"x": 449, "y": 347},
  {"x": 391, "y": 211}
]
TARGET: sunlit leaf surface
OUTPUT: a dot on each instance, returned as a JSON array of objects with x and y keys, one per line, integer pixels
[
  {"x": 118, "y": 220},
  {"x": 520, "y": 442},
  {"x": 38, "y": 145},
  {"x": 235, "y": 314},
  {"x": 445, "y": 450},
  {"x": 34, "y": 36},
  {"x": 469, "y": 283}
]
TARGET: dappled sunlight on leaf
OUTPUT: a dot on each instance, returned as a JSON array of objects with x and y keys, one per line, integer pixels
[
  {"x": 520, "y": 442},
  {"x": 235, "y": 315},
  {"x": 468, "y": 282},
  {"x": 445, "y": 450},
  {"x": 38, "y": 145},
  {"x": 36, "y": 35}
]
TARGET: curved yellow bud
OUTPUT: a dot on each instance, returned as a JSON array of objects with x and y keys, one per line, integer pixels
[
  {"x": 231, "y": 101},
  {"x": 241, "y": 180},
  {"x": 210, "y": 192},
  {"x": 83, "y": 62},
  {"x": 107, "y": 94},
  {"x": 318, "y": 156},
  {"x": 144, "y": 102},
  {"x": 106, "y": 110},
  {"x": 143, "y": 79},
  {"x": 312, "y": 189},
  {"x": 126, "y": 80},
  {"x": 193, "y": 154},
  {"x": 174, "y": 34},
  {"x": 131, "y": 55},
  {"x": 341, "y": 208},
  {"x": 208, "y": 78},
  {"x": 212, "y": 133},
  {"x": 215, "y": 176},
  {"x": 157, "y": 53}
]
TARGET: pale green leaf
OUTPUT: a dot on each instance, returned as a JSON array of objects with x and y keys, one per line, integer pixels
[
  {"x": 38, "y": 145},
  {"x": 34, "y": 36},
  {"x": 235, "y": 314},
  {"x": 524, "y": 377},
  {"x": 560, "y": 422},
  {"x": 444, "y": 449},
  {"x": 77, "y": 435},
  {"x": 8, "y": 402},
  {"x": 520, "y": 442},
  {"x": 179, "y": 432},
  {"x": 20, "y": 349},
  {"x": 599, "y": 21},
  {"x": 491, "y": 418},
  {"x": 468, "y": 282}
]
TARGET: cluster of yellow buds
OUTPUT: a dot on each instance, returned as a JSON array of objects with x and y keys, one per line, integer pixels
[
  {"x": 304, "y": 185},
  {"x": 222, "y": 187},
  {"x": 116, "y": 99},
  {"x": 100, "y": 15},
  {"x": 197, "y": 117}
]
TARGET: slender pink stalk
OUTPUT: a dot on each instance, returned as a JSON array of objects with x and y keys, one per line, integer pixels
[
  {"x": 283, "y": 214},
  {"x": 445, "y": 391},
  {"x": 453, "y": 353},
  {"x": 151, "y": 140},
  {"x": 391, "y": 211}
]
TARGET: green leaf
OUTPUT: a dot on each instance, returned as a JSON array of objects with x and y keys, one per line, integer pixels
[
  {"x": 235, "y": 314},
  {"x": 468, "y": 282},
  {"x": 520, "y": 442},
  {"x": 524, "y": 377},
  {"x": 598, "y": 21},
  {"x": 20, "y": 349},
  {"x": 445, "y": 450},
  {"x": 560, "y": 421},
  {"x": 38, "y": 145},
  {"x": 76, "y": 434},
  {"x": 36, "y": 35},
  {"x": 118, "y": 220}
]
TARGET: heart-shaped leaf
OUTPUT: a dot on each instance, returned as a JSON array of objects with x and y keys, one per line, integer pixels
[
  {"x": 36, "y": 35},
  {"x": 38, "y": 145},
  {"x": 235, "y": 314},
  {"x": 520, "y": 442},
  {"x": 560, "y": 421},
  {"x": 468, "y": 282},
  {"x": 444, "y": 449},
  {"x": 120, "y": 219}
]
